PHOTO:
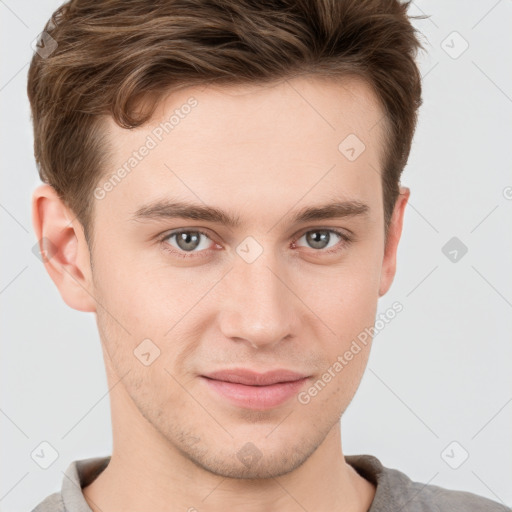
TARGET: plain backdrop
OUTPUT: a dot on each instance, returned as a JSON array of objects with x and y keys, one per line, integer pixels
[{"x": 438, "y": 387}]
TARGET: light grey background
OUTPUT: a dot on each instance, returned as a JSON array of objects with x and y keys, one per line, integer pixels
[{"x": 438, "y": 373}]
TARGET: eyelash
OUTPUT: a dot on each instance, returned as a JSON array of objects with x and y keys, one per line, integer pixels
[
  {"x": 345, "y": 240},
  {"x": 183, "y": 254}
]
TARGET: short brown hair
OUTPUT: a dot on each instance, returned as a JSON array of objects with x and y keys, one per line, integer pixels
[{"x": 111, "y": 54}]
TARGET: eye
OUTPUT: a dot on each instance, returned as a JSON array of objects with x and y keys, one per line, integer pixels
[
  {"x": 185, "y": 242},
  {"x": 324, "y": 241},
  {"x": 188, "y": 243}
]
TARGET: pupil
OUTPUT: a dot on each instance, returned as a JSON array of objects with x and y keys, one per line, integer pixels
[
  {"x": 184, "y": 239},
  {"x": 318, "y": 239}
]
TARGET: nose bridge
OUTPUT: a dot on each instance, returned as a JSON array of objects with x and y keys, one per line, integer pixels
[{"x": 259, "y": 308}]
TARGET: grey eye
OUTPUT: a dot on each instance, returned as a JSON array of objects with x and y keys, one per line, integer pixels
[
  {"x": 188, "y": 241},
  {"x": 321, "y": 238}
]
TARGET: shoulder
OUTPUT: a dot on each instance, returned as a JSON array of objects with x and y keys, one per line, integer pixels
[
  {"x": 78, "y": 475},
  {"x": 396, "y": 491},
  {"x": 52, "y": 503},
  {"x": 427, "y": 497}
]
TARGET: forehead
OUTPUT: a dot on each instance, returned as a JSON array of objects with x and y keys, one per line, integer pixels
[{"x": 308, "y": 137}]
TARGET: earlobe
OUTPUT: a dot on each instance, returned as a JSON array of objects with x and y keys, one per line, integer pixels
[
  {"x": 395, "y": 231},
  {"x": 63, "y": 248}
]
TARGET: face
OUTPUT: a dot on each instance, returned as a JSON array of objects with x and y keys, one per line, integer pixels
[{"x": 278, "y": 264}]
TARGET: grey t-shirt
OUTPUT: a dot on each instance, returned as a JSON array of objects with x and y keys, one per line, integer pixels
[{"x": 395, "y": 491}]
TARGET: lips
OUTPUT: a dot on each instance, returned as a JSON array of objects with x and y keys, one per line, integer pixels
[
  {"x": 252, "y": 390},
  {"x": 252, "y": 378}
]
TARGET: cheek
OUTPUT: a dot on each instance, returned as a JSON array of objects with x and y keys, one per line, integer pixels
[
  {"x": 347, "y": 292},
  {"x": 147, "y": 307},
  {"x": 141, "y": 293},
  {"x": 345, "y": 299}
]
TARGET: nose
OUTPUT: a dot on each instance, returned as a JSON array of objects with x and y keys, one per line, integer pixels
[{"x": 259, "y": 307}]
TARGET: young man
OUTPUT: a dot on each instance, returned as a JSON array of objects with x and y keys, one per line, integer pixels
[{"x": 223, "y": 192}]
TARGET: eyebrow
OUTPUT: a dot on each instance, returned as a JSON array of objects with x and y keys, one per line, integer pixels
[{"x": 167, "y": 209}]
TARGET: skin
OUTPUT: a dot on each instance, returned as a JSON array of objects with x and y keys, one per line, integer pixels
[{"x": 262, "y": 153}]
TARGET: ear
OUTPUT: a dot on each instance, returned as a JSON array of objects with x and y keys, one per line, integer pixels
[
  {"x": 63, "y": 248},
  {"x": 394, "y": 233}
]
